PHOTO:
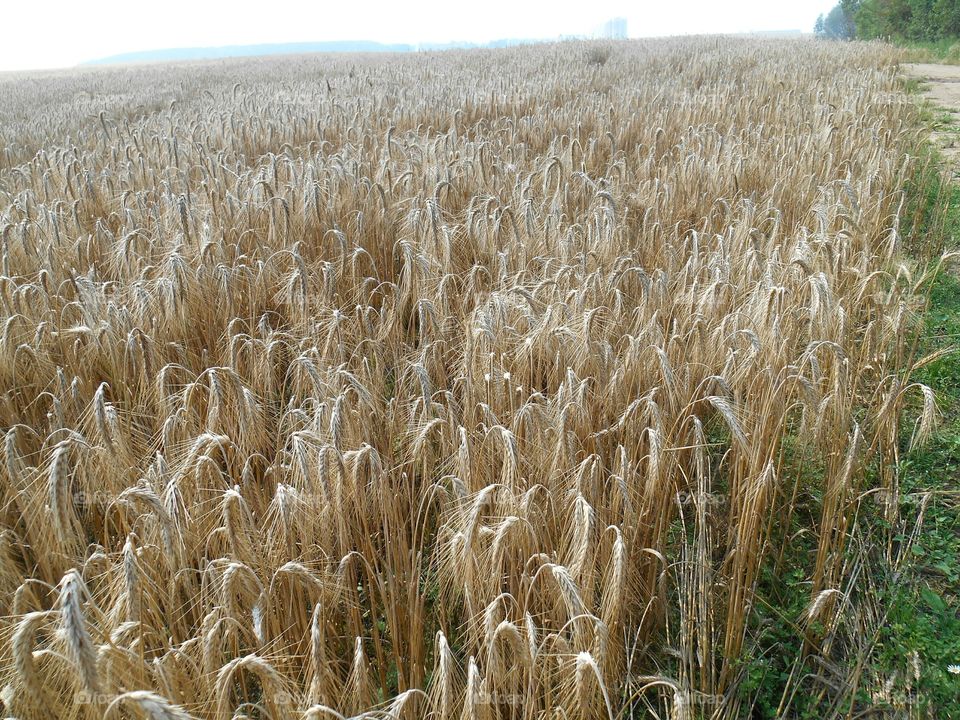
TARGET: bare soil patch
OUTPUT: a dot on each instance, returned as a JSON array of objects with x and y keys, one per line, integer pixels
[{"x": 942, "y": 86}]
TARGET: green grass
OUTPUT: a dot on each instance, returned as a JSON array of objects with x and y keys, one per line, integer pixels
[
  {"x": 924, "y": 600},
  {"x": 945, "y": 51},
  {"x": 921, "y": 635}
]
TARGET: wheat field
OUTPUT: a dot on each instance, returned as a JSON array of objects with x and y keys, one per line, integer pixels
[{"x": 462, "y": 385}]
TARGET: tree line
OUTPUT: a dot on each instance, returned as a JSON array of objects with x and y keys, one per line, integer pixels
[{"x": 910, "y": 20}]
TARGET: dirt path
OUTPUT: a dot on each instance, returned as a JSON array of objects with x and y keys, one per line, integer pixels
[{"x": 941, "y": 84}]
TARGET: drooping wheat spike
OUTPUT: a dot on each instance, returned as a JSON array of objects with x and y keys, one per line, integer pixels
[
  {"x": 22, "y": 644},
  {"x": 274, "y": 692},
  {"x": 358, "y": 692},
  {"x": 73, "y": 627},
  {"x": 443, "y": 687},
  {"x": 149, "y": 704}
]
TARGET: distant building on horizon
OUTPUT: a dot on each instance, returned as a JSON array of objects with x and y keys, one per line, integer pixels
[{"x": 615, "y": 29}]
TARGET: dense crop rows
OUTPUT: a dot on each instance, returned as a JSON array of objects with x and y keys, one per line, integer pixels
[{"x": 469, "y": 385}]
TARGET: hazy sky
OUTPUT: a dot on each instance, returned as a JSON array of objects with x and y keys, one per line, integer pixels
[{"x": 40, "y": 34}]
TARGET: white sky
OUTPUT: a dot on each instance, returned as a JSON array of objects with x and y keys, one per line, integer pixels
[{"x": 61, "y": 33}]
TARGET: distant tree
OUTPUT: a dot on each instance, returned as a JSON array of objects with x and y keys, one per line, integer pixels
[
  {"x": 928, "y": 20},
  {"x": 837, "y": 25}
]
